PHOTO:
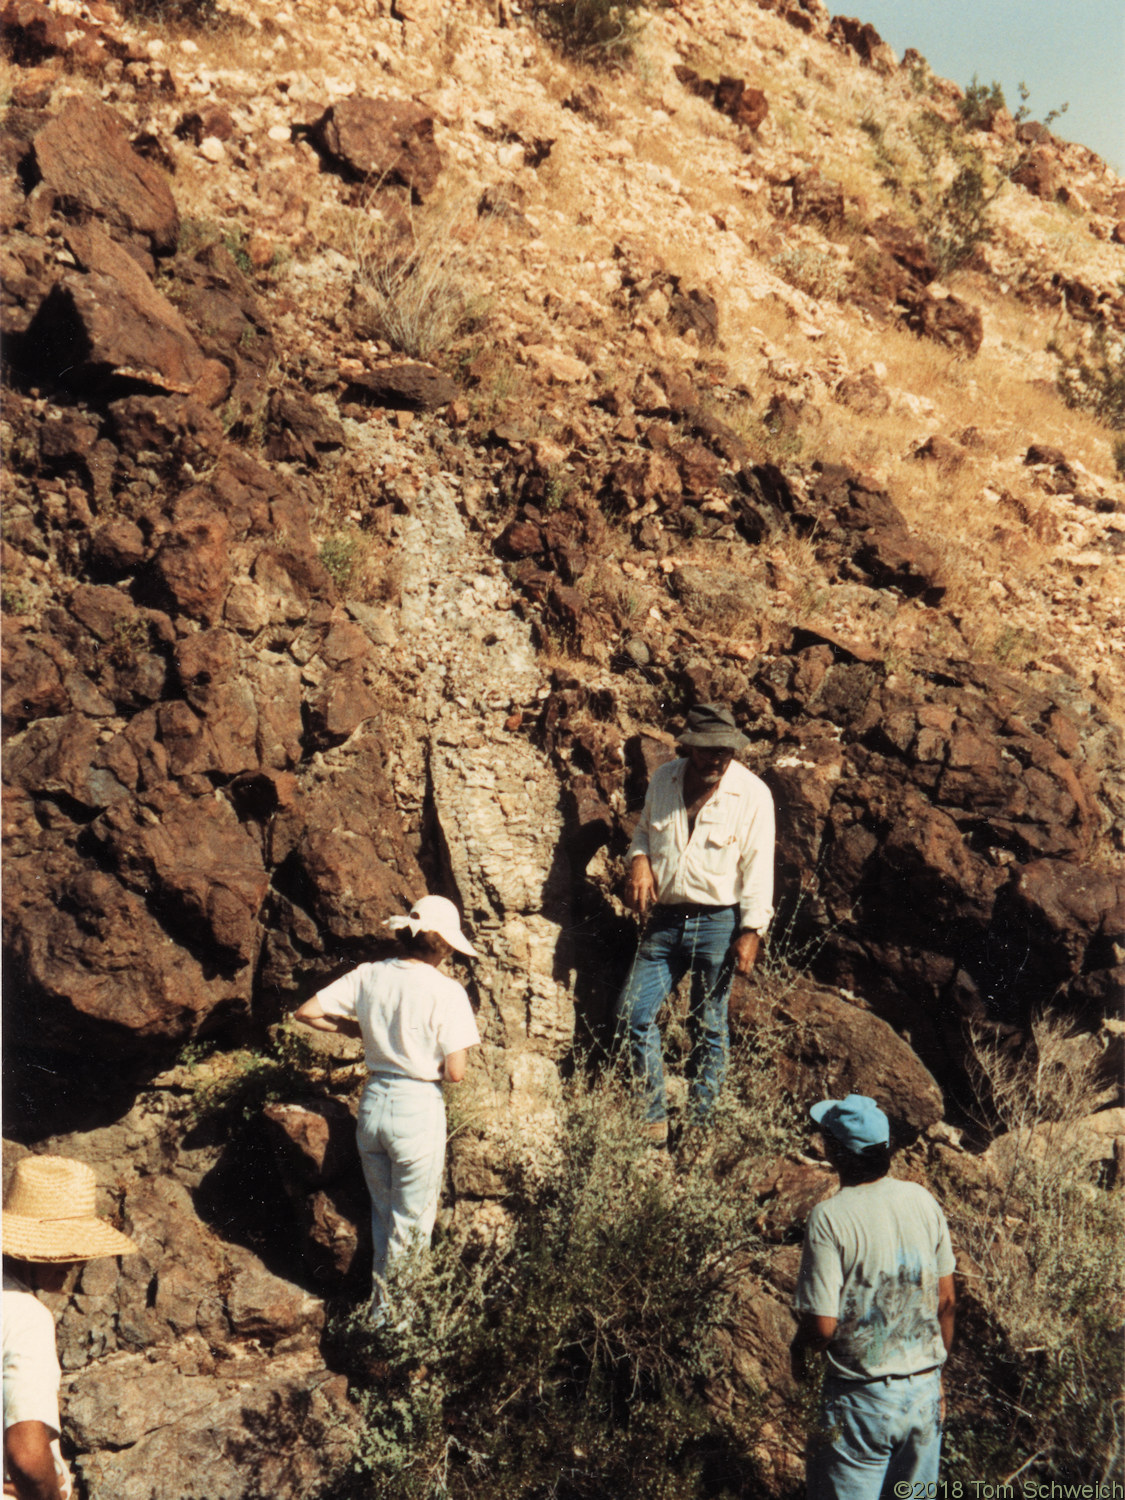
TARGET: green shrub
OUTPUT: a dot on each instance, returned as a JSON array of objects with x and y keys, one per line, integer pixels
[
  {"x": 981, "y": 104},
  {"x": 171, "y": 12},
  {"x": 234, "y": 1086},
  {"x": 340, "y": 554},
  {"x": 1036, "y": 1387},
  {"x": 596, "y": 30},
  {"x": 570, "y": 1358},
  {"x": 1091, "y": 377}
]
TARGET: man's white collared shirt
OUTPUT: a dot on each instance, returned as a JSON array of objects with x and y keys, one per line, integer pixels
[{"x": 727, "y": 859}]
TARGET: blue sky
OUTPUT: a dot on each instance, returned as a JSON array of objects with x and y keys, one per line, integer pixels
[{"x": 1066, "y": 51}]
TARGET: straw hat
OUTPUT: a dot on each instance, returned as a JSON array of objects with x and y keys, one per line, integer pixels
[{"x": 49, "y": 1213}]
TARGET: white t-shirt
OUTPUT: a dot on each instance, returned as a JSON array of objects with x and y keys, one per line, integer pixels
[
  {"x": 31, "y": 1368},
  {"x": 410, "y": 1015},
  {"x": 872, "y": 1259}
]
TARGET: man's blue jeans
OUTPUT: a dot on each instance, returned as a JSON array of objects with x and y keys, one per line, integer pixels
[
  {"x": 875, "y": 1437},
  {"x": 675, "y": 941}
]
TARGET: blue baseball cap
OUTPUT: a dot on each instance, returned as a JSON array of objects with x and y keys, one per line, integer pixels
[{"x": 856, "y": 1122}]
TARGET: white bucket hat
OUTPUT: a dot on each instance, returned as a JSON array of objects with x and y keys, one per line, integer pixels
[
  {"x": 50, "y": 1213},
  {"x": 435, "y": 914}
]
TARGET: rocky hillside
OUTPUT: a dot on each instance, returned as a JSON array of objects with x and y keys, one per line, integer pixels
[{"x": 405, "y": 421}]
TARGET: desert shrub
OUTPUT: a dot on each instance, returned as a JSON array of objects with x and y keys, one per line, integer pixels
[
  {"x": 596, "y": 30},
  {"x": 172, "y": 12},
  {"x": 409, "y": 288},
  {"x": 340, "y": 555},
  {"x": 981, "y": 104},
  {"x": 1091, "y": 376},
  {"x": 1119, "y": 458},
  {"x": 233, "y": 1086},
  {"x": 945, "y": 177},
  {"x": 815, "y": 272},
  {"x": 1041, "y": 1386},
  {"x": 570, "y": 1358}
]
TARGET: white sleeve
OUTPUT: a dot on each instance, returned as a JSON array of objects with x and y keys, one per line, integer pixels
[
  {"x": 458, "y": 1026},
  {"x": 342, "y": 995},
  {"x": 756, "y": 865},
  {"x": 31, "y": 1367},
  {"x": 821, "y": 1277}
]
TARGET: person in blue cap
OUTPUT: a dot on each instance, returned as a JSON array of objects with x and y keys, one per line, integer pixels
[{"x": 875, "y": 1296}]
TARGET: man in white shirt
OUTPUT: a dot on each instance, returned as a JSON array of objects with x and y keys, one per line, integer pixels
[
  {"x": 875, "y": 1295},
  {"x": 50, "y": 1224},
  {"x": 701, "y": 872}
]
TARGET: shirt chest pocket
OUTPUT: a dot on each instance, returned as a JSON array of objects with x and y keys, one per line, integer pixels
[{"x": 717, "y": 849}]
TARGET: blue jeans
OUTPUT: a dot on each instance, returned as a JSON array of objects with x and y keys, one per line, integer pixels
[
  {"x": 876, "y": 1436},
  {"x": 676, "y": 941},
  {"x": 401, "y": 1140}
]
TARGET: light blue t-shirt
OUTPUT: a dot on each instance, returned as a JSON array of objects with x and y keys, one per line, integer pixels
[{"x": 872, "y": 1259}]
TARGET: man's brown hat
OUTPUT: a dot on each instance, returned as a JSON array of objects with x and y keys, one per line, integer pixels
[{"x": 49, "y": 1213}]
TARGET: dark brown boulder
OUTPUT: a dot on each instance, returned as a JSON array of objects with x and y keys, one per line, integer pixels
[
  {"x": 404, "y": 387},
  {"x": 31, "y": 32},
  {"x": 861, "y": 38},
  {"x": 874, "y": 533},
  {"x": 831, "y": 1046},
  {"x": 301, "y": 432},
  {"x": 112, "y": 321},
  {"x": 33, "y": 684},
  {"x": 84, "y": 157},
  {"x": 388, "y": 140},
  {"x": 1039, "y": 173},
  {"x": 864, "y": 394},
  {"x": 817, "y": 198},
  {"x": 746, "y": 106},
  {"x": 947, "y": 320},
  {"x": 196, "y": 862},
  {"x": 314, "y": 1139},
  {"x": 1071, "y": 918},
  {"x": 192, "y": 569},
  {"x": 96, "y": 972}
]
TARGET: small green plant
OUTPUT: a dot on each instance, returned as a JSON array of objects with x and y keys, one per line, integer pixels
[
  {"x": 14, "y": 600},
  {"x": 812, "y": 271},
  {"x": 981, "y": 103},
  {"x": 944, "y": 175},
  {"x": 1091, "y": 377},
  {"x": 239, "y": 1083},
  {"x": 598, "y": 31},
  {"x": 340, "y": 554},
  {"x": 171, "y": 12},
  {"x": 128, "y": 638},
  {"x": 234, "y": 241}
]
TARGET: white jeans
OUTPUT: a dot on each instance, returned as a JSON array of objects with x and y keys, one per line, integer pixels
[{"x": 401, "y": 1139}]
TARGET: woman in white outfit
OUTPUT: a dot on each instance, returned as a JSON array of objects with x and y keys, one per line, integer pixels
[{"x": 417, "y": 1027}]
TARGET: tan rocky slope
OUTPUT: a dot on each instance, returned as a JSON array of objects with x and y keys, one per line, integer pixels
[{"x": 404, "y": 424}]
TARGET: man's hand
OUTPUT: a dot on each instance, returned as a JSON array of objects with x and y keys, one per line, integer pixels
[
  {"x": 745, "y": 949},
  {"x": 640, "y": 887}
]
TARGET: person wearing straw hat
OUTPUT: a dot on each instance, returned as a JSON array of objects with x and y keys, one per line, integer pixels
[
  {"x": 50, "y": 1223},
  {"x": 417, "y": 1027},
  {"x": 875, "y": 1296},
  {"x": 701, "y": 878}
]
